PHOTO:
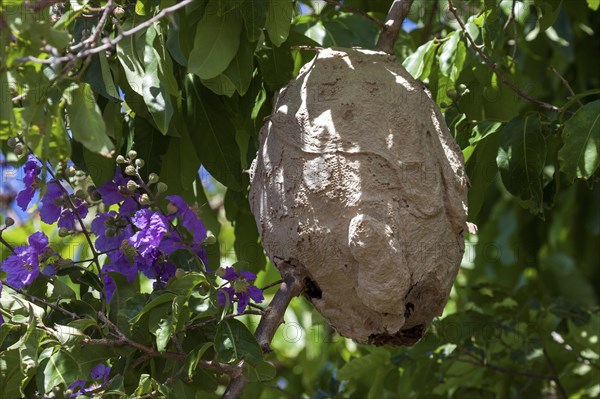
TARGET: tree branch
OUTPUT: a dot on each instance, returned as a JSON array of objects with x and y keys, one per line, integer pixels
[
  {"x": 356, "y": 11},
  {"x": 554, "y": 375},
  {"x": 398, "y": 12},
  {"x": 293, "y": 273},
  {"x": 493, "y": 68}
]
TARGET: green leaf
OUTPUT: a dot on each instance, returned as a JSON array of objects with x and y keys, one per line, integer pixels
[
  {"x": 364, "y": 365},
  {"x": 482, "y": 170},
  {"x": 216, "y": 43},
  {"x": 155, "y": 95},
  {"x": 10, "y": 374},
  {"x": 85, "y": 119},
  {"x": 580, "y": 155},
  {"x": 100, "y": 169},
  {"x": 234, "y": 342},
  {"x": 593, "y": 4},
  {"x": 159, "y": 300},
  {"x": 61, "y": 368},
  {"x": 260, "y": 372},
  {"x": 225, "y": 6},
  {"x": 419, "y": 63},
  {"x": 521, "y": 160},
  {"x": 279, "y": 19},
  {"x": 214, "y": 139},
  {"x": 241, "y": 69},
  {"x": 254, "y": 13}
]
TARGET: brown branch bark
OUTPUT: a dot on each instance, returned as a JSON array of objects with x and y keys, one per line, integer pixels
[
  {"x": 293, "y": 274},
  {"x": 398, "y": 12}
]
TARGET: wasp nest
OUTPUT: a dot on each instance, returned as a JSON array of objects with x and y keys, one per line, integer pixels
[{"x": 359, "y": 180}]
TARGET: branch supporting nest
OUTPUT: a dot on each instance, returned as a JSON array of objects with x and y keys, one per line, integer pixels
[
  {"x": 293, "y": 274},
  {"x": 397, "y": 14}
]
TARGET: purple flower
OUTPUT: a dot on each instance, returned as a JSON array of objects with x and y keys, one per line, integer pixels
[
  {"x": 23, "y": 266},
  {"x": 100, "y": 372},
  {"x": 115, "y": 191},
  {"x": 31, "y": 181},
  {"x": 56, "y": 207},
  {"x": 1, "y": 318},
  {"x": 239, "y": 288},
  {"x": 188, "y": 218},
  {"x": 152, "y": 228}
]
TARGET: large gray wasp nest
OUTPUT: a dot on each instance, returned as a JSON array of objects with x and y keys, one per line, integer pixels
[{"x": 359, "y": 180}]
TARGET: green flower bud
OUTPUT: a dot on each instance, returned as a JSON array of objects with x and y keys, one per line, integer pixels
[
  {"x": 153, "y": 178},
  {"x": 210, "y": 239},
  {"x": 452, "y": 93},
  {"x": 139, "y": 163},
  {"x": 63, "y": 232},
  {"x": 130, "y": 170},
  {"x": 120, "y": 159},
  {"x": 11, "y": 142},
  {"x": 144, "y": 199},
  {"x": 80, "y": 194},
  {"x": 220, "y": 272},
  {"x": 132, "y": 155},
  {"x": 9, "y": 221},
  {"x": 161, "y": 187},
  {"x": 131, "y": 185}
]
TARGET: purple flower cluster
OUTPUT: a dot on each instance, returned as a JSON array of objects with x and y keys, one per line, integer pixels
[
  {"x": 239, "y": 288},
  {"x": 147, "y": 245},
  {"x": 134, "y": 237},
  {"x": 23, "y": 266}
]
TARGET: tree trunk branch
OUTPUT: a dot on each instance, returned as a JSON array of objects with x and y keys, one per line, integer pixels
[{"x": 398, "y": 12}]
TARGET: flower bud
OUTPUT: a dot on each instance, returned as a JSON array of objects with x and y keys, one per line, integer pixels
[
  {"x": 132, "y": 155},
  {"x": 131, "y": 185},
  {"x": 210, "y": 239},
  {"x": 18, "y": 149},
  {"x": 9, "y": 221},
  {"x": 120, "y": 159},
  {"x": 63, "y": 232},
  {"x": 153, "y": 178},
  {"x": 130, "y": 170},
  {"x": 144, "y": 199},
  {"x": 95, "y": 196},
  {"x": 80, "y": 194},
  {"x": 220, "y": 272},
  {"x": 139, "y": 163},
  {"x": 11, "y": 142},
  {"x": 161, "y": 187}
]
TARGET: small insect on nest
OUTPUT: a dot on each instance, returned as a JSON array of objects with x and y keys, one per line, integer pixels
[{"x": 359, "y": 179}]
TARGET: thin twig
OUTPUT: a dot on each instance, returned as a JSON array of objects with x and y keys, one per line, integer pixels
[
  {"x": 511, "y": 17},
  {"x": 398, "y": 12},
  {"x": 273, "y": 284},
  {"x": 504, "y": 370},
  {"x": 565, "y": 83},
  {"x": 554, "y": 377},
  {"x": 493, "y": 68},
  {"x": 40, "y": 301},
  {"x": 109, "y": 43},
  {"x": 6, "y": 244},
  {"x": 356, "y": 11},
  {"x": 429, "y": 25}
]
